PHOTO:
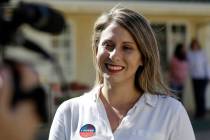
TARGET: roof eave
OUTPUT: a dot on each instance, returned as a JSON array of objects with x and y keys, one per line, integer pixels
[{"x": 152, "y": 8}]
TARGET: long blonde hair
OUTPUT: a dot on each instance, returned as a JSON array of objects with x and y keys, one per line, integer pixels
[{"x": 149, "y": 79}]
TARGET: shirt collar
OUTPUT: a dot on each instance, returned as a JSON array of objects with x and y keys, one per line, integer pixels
[
  {"x": 148, "y": 98},
  {"x": 96, "y": 92},
  {"x": 151, "y": 99}
]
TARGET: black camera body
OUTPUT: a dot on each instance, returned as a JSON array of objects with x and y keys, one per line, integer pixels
[{"x": 40, "y": 17}]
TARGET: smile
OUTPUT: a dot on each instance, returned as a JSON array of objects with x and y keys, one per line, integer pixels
[{"x": 114, "y": 68}]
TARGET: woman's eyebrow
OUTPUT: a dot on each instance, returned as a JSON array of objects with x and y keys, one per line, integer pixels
[
  {"x": 107, "y": 41},
  {"x": 128, "y": 42}
]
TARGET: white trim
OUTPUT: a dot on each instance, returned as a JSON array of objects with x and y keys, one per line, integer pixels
[{"x": 154, "y": 8}]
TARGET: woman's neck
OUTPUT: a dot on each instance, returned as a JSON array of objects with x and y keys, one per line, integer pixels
[{"x": 119, "y": 95}]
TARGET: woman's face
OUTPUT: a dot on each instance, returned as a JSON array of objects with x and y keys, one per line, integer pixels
[{"x": 118, "y": 57}]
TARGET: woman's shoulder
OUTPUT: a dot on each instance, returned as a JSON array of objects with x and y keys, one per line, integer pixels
[
  {"x": 171, "y": 103},
  {"x": 170, "y": 100},
  {"x": 76, "y": 102},
  {"x": 166, "y": 102}
]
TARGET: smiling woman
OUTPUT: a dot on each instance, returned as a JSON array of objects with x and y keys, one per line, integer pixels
[
  {"x": 118, "y": 56},
  {"x": 129, "y": 100}
]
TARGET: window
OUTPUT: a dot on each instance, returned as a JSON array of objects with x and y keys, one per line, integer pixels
[
  {"x": 168, "y": 36},
  {"x": 161, "y": 35}
]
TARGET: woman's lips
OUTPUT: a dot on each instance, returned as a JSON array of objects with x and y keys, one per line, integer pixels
[{"x": 114, "y": 68}]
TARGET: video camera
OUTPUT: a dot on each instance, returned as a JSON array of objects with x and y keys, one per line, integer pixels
[{"x": 40, "y": 17}]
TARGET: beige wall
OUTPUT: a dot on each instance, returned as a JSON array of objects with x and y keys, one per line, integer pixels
[{"x": 83, "y": 24}]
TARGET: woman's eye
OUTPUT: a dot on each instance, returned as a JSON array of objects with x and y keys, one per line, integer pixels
[
  {"x": 108, "y": 46},
  {"x": 127, "y": 48}
]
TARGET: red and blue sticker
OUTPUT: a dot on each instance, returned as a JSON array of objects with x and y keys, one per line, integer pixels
[{"x": 87, "y": 130}]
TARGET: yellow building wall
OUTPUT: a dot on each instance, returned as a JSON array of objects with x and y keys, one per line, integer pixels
[{"x": 83, "y": 25}]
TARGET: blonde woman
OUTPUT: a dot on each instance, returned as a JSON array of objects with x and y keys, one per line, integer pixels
[{"x": 129, "y": 100}]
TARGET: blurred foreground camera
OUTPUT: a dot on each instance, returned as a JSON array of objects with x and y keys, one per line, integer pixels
[{"x": 40, "y": 17}]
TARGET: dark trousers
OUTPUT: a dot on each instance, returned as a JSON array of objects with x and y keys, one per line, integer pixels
[{"x": 199, "y": 87}]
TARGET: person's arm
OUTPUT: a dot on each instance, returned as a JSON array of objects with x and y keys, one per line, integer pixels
[
  {"x": 20, "y": 122},
  {"x": 182, "y": 129}
]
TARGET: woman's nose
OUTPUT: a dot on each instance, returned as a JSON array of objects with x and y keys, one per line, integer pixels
[{"x": 115, "y": 55}]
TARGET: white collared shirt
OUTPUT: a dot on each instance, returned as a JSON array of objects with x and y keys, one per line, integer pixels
[{"x": 153, "y": 117}]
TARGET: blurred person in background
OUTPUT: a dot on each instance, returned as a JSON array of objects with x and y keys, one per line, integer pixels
[
  {"x": 200, "y": 75},
  {"x": 20, "y": 122},
  {"x": 129, "y": 100},
  {"x": 178, "y": 70}
]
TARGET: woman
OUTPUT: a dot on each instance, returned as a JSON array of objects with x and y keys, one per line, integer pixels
[
  {"x": 199, "y": 71},
  {"x": 178, "y": 70},
  {"x": 129, "y": 100}
]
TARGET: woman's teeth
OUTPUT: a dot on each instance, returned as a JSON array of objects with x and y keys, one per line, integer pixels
[{"x": 114, "y": 67}]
